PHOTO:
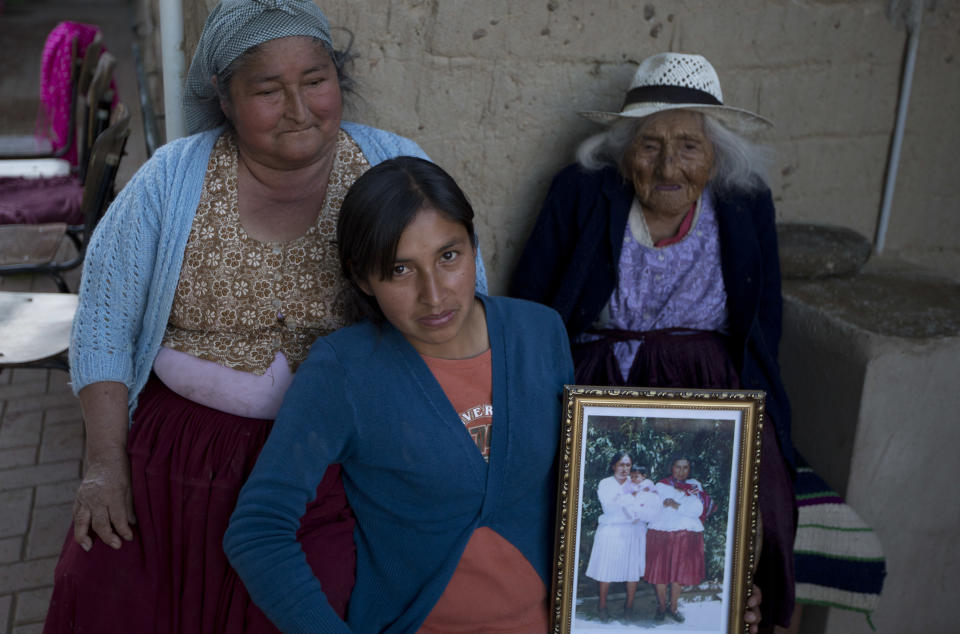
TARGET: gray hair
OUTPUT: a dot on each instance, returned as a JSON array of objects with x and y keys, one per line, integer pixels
[{"x": 738, "y": 163}]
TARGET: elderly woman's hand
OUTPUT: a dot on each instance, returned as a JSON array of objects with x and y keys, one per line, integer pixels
[
  {"x": 752, "y": 614},
  {"x": 104, "y": 502},
  {"x": 105, "y": 499}
]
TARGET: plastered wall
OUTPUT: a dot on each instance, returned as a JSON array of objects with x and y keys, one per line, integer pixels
[{"x": 490, "y": 90}]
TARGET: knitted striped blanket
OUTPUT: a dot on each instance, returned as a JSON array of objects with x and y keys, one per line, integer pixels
[{"x": 839, "y": 559}]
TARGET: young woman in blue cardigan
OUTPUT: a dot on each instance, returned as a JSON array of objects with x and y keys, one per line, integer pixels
[{"x": 443, "y": 409}]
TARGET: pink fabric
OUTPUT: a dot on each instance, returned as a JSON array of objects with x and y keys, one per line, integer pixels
[
  {"x": 55, "y": 84},
  {"x": 222, "y": 388},
  {"x": 33, "y": 201}
]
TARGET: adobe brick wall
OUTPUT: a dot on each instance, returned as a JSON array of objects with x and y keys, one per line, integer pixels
[{"x": 490, "y": 90}]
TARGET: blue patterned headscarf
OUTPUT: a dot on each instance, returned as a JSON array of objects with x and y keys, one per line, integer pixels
[{"x": 233, "y": 27}]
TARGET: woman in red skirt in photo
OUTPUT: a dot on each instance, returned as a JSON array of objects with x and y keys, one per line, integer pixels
[{"x": 675, "y": 550}]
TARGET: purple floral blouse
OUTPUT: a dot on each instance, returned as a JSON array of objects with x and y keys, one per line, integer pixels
[{"x": 676, "y": 286}]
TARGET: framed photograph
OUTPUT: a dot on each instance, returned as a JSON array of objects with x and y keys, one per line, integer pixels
[{"x": 656, "y": 510}]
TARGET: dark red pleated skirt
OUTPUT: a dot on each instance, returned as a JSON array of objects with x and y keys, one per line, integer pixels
[
  {"x": 674, "y": 557},
  {"x": 700, "y": 359},
  {"x": 188, "y": 463}
]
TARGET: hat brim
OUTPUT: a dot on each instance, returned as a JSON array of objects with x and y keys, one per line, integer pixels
[{"x": 737, "y": 118}]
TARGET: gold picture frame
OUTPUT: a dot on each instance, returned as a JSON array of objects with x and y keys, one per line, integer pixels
[{"x": 719, "y": 433}]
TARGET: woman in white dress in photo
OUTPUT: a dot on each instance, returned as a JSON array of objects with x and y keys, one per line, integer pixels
[{"x": 616, "y": 554}]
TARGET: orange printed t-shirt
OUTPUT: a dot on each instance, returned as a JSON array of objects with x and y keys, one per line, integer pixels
[
  {"x": 468, "y": 384},
  {"x": 494, "y": 588}
]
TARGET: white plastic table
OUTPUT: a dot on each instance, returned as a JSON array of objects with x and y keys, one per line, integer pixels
[{"x": 35, "y": 328}]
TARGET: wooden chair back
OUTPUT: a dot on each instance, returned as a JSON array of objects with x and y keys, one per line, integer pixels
[
  {"x": 95, "y": 106},
  {"x": 102, "y": 172},
  {"x": 89, "y": 64}
]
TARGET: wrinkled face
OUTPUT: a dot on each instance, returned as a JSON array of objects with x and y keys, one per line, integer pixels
[
  {"x": 285, "y": 103},
  {"x": 669, "y": 161},
  {"x": 681, "y": 470},
  {"x": 621, "y": 470},
  {"x": 430, "y": 295}
]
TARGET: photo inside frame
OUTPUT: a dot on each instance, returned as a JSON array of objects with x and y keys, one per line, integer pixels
[
  {"x": 657, "y": 500},
  {"x": 654, "y": 442}
]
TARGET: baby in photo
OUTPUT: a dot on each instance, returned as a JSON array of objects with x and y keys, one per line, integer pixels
[{"x": 644, "y": 503}]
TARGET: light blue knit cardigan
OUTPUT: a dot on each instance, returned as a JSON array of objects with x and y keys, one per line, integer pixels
[{"x": 133, "y": 261}]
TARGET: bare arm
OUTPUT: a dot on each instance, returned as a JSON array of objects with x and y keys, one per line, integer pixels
[{"x": 104, "y": 500}]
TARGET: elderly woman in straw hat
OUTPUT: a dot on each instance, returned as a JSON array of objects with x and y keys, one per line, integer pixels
[
  {"x": 658, "y": 249},
  {"x": 205, "y": 285}
]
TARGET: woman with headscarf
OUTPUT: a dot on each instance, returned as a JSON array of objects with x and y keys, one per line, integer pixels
[
  {"x": 659, "y": 251},
  {"x": 208, "y": 279}
]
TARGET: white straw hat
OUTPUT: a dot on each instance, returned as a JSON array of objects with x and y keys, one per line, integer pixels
[{"x": 678, "y": 81}]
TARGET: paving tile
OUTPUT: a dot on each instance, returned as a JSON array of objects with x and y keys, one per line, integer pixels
[
  {"x": 32, "y": 605},
  {"x": 56, "y": 493},
  {"x": 16, "y": 512},
  {"x": 33, "y": 628},
  {"x": 17, "y": 457},
  {"x": 21, "y": 390},
  {"x": 59, "y": 382},
  {"x": 61, "y": 442},
  {"x": 6, "y": 611},
  {"x": 70, "y": 413},
  {"x": 27, "y": 575},
  {"x": 20, "y": 477},
  {"x": 48, "y": 530},
  {"x": 40, "y": 401},
  {"x": 20, "y": 429},
  {"x": 10, "y": 549},
  {"x": 29, "y": 375}
]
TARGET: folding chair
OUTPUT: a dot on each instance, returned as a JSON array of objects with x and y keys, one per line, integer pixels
[
  {"x": 26, "y": 248},
  {"x": 58, "y": 198},
  {"x": 23, "y": 148}
]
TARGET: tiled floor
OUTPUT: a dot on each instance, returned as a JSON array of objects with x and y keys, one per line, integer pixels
[{"x": 41, "y": 447}]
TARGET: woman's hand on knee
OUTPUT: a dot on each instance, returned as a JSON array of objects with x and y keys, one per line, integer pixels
[{"x": 104, "y": 503}]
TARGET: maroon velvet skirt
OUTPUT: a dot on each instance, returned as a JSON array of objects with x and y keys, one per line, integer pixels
[
  {"x": 699, "y": 359},
  {"x": 674, "y": 557},
  {"x": 188, "y": 463}
]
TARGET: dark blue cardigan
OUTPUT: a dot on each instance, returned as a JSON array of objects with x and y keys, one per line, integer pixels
[
  {"x": 570, "y": 264},
  {"x": 413, "y": 475}
]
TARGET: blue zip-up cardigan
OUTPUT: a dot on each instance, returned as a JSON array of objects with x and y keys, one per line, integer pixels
[
  {"x": 570, "y": 263},
  {"x": 132, "y": 266},
  {"x": 412, "y": 473}
]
